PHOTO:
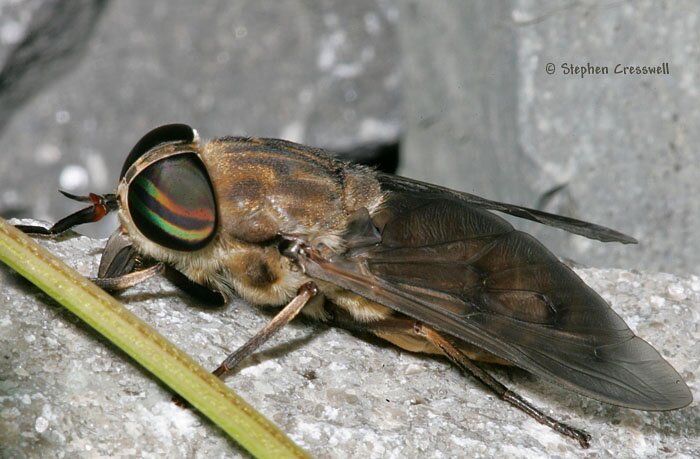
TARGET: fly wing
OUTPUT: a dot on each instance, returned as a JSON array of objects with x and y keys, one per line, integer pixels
[
  {"x": 586, "y": 229},
  {"x": 463, "y": 270}
]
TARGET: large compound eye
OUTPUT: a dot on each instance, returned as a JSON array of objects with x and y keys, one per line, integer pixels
[
  {"x": 168, "y": 133},
  {"x": 172, "y": 203}
]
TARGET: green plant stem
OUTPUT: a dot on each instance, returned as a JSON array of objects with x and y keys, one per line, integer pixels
[{"x": 169, "y": 364}]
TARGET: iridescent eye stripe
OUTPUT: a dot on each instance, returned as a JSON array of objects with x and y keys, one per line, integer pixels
[
  {"x": 194, "y": 225},
  {"x": 172, "y": 203},
  {"x": 164, "y": 201}
]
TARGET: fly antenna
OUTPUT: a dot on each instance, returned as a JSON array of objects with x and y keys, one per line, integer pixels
[{"x": 101, "y": 206}]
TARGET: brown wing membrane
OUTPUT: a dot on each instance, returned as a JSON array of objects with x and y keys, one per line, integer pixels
[
  {"x": 586, "y": 229},
  {"x": 446, "y": 262}
]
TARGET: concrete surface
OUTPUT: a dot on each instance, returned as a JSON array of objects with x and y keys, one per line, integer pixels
[
  {"x": 64, "y": 392},
  {"x": 482, "y": 114}
]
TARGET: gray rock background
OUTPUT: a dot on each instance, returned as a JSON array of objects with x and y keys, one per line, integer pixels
[
  {"x": 325, "y": 73},
  {"x": 64, "y": 392},
  {"x": 479, "y": 113},
  {"x": 482, "y": 115}
]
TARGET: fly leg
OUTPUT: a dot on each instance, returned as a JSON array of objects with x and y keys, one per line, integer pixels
[
  {"x": 116, "y": 271},
  {"x": 406, "y": 327},
  {"x": 286, "y": 315},
  {"x": 117, "y": 259},
  {"x": 468, "y": 366},
  {"x": 124, "y": 281}
]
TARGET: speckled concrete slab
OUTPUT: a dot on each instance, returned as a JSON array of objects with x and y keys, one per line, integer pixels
[{"x": 64, "y": 392}]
